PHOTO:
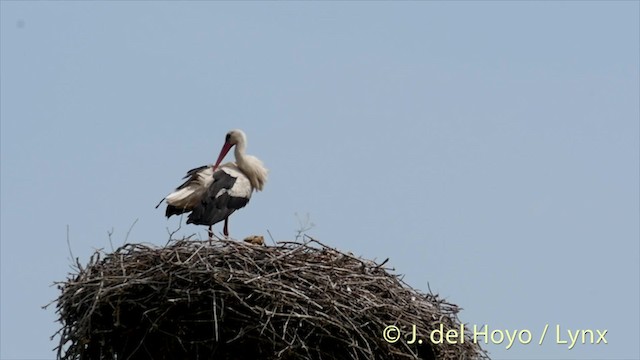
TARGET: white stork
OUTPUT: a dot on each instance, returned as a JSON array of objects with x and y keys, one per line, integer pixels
[{"x": 213, "y": 192}]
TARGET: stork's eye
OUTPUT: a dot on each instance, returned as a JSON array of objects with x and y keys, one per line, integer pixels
[{"x": 226, "y": 139}]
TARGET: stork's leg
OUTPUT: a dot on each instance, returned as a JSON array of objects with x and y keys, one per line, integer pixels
[
  {"x": 226, "y": 229},
  {"x": 210, "y": 233}
]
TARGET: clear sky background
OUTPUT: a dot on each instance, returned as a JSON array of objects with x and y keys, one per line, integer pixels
[{"x": 489, "y": 149}]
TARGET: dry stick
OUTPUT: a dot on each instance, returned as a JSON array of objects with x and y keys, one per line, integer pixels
[
  {"x": 171, "y": 233},
  {"x": 109, "y": 233},
  {"x": 273, "y": 241},
  {"x": 69, "y": 245},
  {"x": 129, "y": 231}
]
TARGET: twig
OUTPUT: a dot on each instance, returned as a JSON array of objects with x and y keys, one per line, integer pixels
[
  {"x": 271, "y": 237},
  {"x": 126, "y": 238},
  {"x": 109, "y": 233},
  {"x": 72, "y": 259}
]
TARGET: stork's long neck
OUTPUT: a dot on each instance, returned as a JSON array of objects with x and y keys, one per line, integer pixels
[
  {"x": 239, "y": 152},
  {"x": 250, "y": 166}
]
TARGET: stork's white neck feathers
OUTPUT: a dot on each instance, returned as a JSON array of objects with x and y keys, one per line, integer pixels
[
  {"x": 250, "y": 165},
  {"x": 253, "y": 168}
]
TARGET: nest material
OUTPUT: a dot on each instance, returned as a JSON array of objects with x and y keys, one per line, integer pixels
[{"x": 236, "y": 300}]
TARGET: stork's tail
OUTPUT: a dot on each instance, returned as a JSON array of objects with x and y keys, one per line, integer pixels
[{"x": 160, "y": 202}]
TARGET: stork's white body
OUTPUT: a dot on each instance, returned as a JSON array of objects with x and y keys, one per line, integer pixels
[{"x": 196, "y": 188}]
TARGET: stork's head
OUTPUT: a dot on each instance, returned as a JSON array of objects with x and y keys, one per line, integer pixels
[{"x": 233, "y": 138}]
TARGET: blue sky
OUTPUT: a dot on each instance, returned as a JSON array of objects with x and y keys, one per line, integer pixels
[{"x": 489, "y": 149}]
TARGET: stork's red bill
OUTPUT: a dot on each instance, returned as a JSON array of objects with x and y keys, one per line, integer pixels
[{"x": 212, "y": 193}]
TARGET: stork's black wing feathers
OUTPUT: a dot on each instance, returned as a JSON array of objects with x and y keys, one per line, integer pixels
[
  {"x": 174, "y": 210},
  {"x": 216, "y": 206},
  {"x": 192, "y": 175}
]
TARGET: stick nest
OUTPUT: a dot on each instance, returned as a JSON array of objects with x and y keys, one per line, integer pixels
[{"x": 235, "y": 300}]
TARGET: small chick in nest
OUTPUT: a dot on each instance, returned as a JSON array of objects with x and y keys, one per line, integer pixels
[{"x": 255, "y": 239}]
